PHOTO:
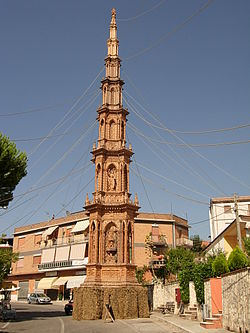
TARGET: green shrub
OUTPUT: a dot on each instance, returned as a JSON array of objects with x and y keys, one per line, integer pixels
[
  {"x": 140, "y": 272},
  {"x": 201, "y": 272},
  {"x": 237, "y": 259},
  {"x": 184, "y": 277},
  {"x": 220, "y": 265}
]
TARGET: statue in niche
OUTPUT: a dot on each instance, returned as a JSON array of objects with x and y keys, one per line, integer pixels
[
  {"x": 111, "y": 245},
  {"x": 111, "y": 179}
]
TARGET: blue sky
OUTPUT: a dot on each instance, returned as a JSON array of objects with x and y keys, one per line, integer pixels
[{"x": 186, "y": 69}]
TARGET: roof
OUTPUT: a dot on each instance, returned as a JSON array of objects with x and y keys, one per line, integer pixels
[
  {"x": 230, "y": 199},
  {"x": 74, "y": 217},
  {"x": 162, "y": 217},
  {"x": 230, "y": 230}
]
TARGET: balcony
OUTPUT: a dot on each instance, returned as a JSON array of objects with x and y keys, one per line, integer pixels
[
  {"x": 157, "y": 263},
  {"x": 55, "y": 264},
  {"x": 74, "y": 239},
  {"x": 184, "y": 242}
]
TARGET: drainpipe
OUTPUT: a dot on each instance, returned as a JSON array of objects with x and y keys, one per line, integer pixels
[{"x": 174, "y": 243}]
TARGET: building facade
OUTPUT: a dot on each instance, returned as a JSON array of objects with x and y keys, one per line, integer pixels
[
  {"x": 221, "y": 212},
  {"x": 227, "y": 240},
  {"x": 163, "y": 231},
  {"x": 52, "y": 256}
]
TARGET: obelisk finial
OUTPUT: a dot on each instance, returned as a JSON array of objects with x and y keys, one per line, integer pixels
[{"x": 113, "y": 16}]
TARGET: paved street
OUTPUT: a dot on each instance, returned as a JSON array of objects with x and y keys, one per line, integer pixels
[{"x": 51, "y": 318}]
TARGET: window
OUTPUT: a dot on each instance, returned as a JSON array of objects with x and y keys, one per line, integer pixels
[
  {"x": 36, "y": 260},
  {"x": 68, "y": 232},
  {"x": 38, "y": 239},
  {"x": 21, "y": 241},
  {"x": 20, "y": 262},
  {"x": 227, "y": 209}
]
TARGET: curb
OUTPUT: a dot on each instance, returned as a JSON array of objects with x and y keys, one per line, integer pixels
[{"x": 174, "y": 324}]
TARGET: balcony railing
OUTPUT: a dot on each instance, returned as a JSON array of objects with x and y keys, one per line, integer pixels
[
  {"x": 64, "y": 241},
  {"x": 157, "y": 263},
  {"x": 55, "y": 264},
  {"x": 184, "y": 242}
]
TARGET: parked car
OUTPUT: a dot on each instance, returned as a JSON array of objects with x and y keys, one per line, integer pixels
[
  {"x": 68, "y": 308},
  {"x": 38, "y": 298}
]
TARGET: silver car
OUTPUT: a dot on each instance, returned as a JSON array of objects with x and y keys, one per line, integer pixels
[{"x": 38, "y": 298}]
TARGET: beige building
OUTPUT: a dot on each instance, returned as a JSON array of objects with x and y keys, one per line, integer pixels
[
  {"x": 227, "y": 239},
  {"x": 52, "y": 256},
  {"x": 164, "y": 230},
  {"x": 222, "y": 214}
]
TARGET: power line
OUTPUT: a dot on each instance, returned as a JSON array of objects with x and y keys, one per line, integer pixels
[
  {"x": 86, "y": 106},
  {"x": 46, "y": 185},
  {"x": 218, "y": 130},
  {"x": 191, "y": 148},
  {"x": 172, "y": 32},
  {"x": 22, "y": 203},
  {"x": 75, "y": 195},
  {"x": 66, "y": 153},
  {"x": 16, "y": 222},
  {"x": 68, "y": 112},
  {"x": 46, "y": 108},
  {"x": 191, "y": 170},
  {"x": 40, "y": 138},
  {"x": 170, "y": 192},
  {"x": 173, "y": 181},
  {"x": 194, "y": 145},
  {"x": 140, "y": 14}
]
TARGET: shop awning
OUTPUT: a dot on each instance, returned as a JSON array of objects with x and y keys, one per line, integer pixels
[
  {"x": 61, "y": 281},
  {"x": 49, "y": 231},
  {"x": 80, "y": 226},
  {"x": 62, "y": 253},
  {"x": 75, "y": 281},
  {"x": 46, "y": 283}
]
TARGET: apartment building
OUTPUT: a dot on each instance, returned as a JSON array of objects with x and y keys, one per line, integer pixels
[
  {"x": 53, "y": 254},
  {"x": 163, "y": 231},
  {"x": 222, "y": 214}
]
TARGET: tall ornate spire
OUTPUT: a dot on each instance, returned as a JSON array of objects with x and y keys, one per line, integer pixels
[{"x": 111, "y": 269}]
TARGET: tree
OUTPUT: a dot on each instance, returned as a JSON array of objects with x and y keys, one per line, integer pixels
[
  {"x": 179, "y": 259},
  {"x": 196, "y": 243},
  {"x": 237, "y": 259},
  {"x": 246, "y": 241},
  {"x": 220, "y": 265},
  {"x": 13, "y": 164},
  {"x": 6, "y": 259}
]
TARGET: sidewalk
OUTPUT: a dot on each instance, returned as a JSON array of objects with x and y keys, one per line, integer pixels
[{"x": 190, "y": 326}]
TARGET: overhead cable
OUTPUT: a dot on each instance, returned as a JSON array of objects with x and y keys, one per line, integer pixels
[
  {"x": 68, "y": 112},
  {"x": 195, "y": 145},
  {"x": 172, "y": 181},
  {"x": 141, "y": 14},
  {"x": 172, "y": 32},
  {"x": 170, "y": 192},
  {"x": 46, "y": 185},
  {"x": 192, "y": 149},
  {"x": 86, "y": 106},
  {"x": 188, "y": 168},
  {"x": 67, "y": 152}
]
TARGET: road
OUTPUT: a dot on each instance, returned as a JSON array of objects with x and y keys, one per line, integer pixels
[{"x": 48, "y": 318}]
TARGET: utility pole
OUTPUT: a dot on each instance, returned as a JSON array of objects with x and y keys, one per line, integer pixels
[{"x": 237, "y": 221}]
